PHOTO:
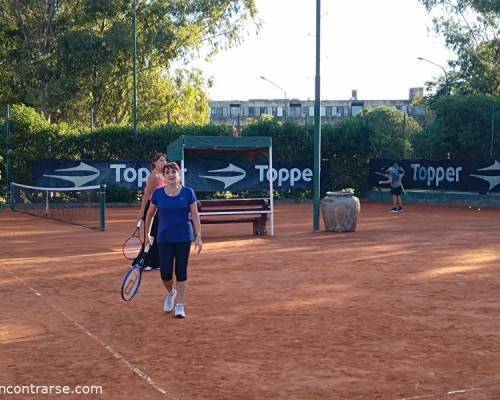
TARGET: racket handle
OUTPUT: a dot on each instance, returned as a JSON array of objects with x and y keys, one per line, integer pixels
[
  {"x": 146, "y": 247},
  {"x": 139, "y": 223}
]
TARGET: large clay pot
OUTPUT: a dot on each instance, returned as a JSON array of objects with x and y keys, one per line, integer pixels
[{"x": 340, "y": 211}]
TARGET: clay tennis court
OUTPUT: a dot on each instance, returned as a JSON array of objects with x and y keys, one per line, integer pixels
[{"x": 406, "y": 307}]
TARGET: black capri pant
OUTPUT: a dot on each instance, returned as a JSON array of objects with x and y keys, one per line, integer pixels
[{"x": 170, "y": 252}]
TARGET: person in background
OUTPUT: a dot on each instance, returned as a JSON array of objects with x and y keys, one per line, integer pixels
[
  {"x": 395, "y": 179},
  {"x": 177, "y": 212},
  {"x": 155, "y": 180}
]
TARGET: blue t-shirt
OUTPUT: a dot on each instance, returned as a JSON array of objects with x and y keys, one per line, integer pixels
[{"x": 173, "y": 215}]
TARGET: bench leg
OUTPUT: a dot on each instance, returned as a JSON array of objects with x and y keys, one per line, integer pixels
[{"x": 259, "y": 226}]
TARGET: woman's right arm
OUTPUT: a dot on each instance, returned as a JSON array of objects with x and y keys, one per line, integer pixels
[
  {"x": 150, "y": 184},
  {"x": 149, "y": 218}
]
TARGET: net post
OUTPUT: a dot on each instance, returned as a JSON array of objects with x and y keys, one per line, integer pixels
[
  {"x": 102, "y": 201},
  {"x": 46, "y": 203},
  {"x": 12, "y": 200}
]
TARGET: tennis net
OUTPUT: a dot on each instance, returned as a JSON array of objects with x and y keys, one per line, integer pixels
[{"x": 84, "y": 206}]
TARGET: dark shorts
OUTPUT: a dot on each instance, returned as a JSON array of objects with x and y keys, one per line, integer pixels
[
  {"x": 174, "y": 253},
  {"x": 396, "y": 191}
]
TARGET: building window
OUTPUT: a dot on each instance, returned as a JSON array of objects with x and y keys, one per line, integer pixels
[
  {"x": 295, "y": 110},
  {"x": 234, "y": 110},
  {"x": 356, "y": 109},
  {"x": 252, "y": 112},
  {"x": 342, "y": 111},
  {"x": 328, "y": 111},
  {"x": 217, "y": 112},
  {"x": 277, "y": 111}
]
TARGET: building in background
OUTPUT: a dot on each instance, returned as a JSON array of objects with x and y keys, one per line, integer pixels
[{"x": 238, "y": 113}]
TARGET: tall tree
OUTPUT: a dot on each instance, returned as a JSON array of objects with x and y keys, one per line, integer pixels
[
  {"x": 68, "y": 58},
  {"x": 471, "y": 29},
  {"x": 462, "y": 129}
]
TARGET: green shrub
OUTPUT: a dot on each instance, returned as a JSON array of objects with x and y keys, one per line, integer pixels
[{"x": 118, "y": 194}]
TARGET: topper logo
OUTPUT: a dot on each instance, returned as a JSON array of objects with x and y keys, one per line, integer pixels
[
  {"x": 77, "y": 180},
  {"x": 284, "y": 174},
  {"x": 435, "y": 175},
  {"x": 492, "y": 180},
  {"x": 130, "y": 174},
  {"x": 227, "y": 180}
]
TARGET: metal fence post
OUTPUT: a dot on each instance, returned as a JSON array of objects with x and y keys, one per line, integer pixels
[{"x": 102, "y": 201}]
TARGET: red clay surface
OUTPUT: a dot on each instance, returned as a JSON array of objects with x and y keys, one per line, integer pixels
[{"x": 406, "y": 307}]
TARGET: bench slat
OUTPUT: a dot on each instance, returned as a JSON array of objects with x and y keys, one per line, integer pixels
[
  {"x": 238, "y": 202},
  {"x": 235, "y": 210},
  {"x": 231, "y": 212},
  {"x": 229, "y": 220}
]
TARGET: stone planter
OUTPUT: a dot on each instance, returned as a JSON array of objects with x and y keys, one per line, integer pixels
[{"x": 340, "y": 211}]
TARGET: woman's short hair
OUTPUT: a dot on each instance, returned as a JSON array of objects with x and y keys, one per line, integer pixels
[{"x": 171, "y": 165}]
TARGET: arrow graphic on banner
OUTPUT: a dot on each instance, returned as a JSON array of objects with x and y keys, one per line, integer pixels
[
  {"x": 77, "y": 180},
  {"x": 227, "y": 180},
  {"x": 492, "y": 180}
]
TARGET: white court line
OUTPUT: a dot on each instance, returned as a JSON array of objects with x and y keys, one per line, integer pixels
[
  {"x": 451, "y": 393},
  {"x": 14, "y": 261},
  {"x": 136, "y": 370}
]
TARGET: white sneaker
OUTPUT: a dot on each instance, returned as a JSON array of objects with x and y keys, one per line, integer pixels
[
  {"x": 179, "y": 311},
  {"x": 168, "y": 305}
]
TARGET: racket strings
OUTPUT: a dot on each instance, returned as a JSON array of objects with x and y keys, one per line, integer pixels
[
  {"x": 132, "y": 247},
  {"x": 131, "y": 283}
]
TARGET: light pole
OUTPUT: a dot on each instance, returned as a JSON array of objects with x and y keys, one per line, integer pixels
[
  {"x": 440, "y": 66},
  {"x": 279, "y": 87},
  {"x": 317, "y": 124},
  {"x": 134, "y": 61}
]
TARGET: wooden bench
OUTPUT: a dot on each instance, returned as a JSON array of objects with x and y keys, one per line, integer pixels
[{"x": 234, "y": 211}]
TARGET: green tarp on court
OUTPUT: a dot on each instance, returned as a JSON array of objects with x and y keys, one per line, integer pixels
[{"x": 175, "y": 149}]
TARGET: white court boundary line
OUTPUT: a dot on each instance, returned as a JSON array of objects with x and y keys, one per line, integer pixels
[
  {"x": 136, "y": 370},
  {"x": 450, "y": 393}
]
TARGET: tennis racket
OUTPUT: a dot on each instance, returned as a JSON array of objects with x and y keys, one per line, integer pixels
[
  {"x": 132, "y": 280},
  {"x": 133, "y": 245}
]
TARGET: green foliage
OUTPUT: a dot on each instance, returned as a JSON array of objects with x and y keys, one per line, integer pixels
[
  {"x": 118, "y": 194},
  {"x": 290, "y": 141},
  {"x": 461, "y": 129},
  {"x": 33, "y": 139},
  {"x": 471, "y": 30},
  {"x": 71, "y": 59},
  {"x": 27, "y": 119}
]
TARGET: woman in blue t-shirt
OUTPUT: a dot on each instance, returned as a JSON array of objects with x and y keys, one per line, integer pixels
[{"x": 174, "y": 204}]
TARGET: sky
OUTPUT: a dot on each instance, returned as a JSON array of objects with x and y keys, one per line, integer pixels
[{"x": 368, "y": 45}]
